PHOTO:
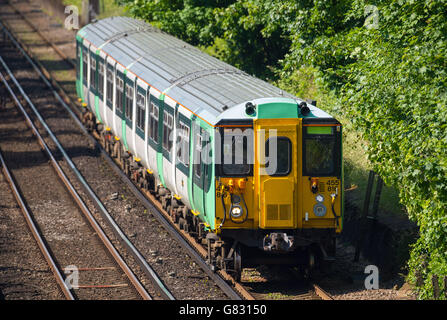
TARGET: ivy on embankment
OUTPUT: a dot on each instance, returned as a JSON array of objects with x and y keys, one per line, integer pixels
[
  {"x": 384, "y": 61},
  {"x": 394, "y": 87}
]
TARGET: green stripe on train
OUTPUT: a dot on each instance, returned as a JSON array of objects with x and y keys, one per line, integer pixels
[{"x": 123, "y": 119}]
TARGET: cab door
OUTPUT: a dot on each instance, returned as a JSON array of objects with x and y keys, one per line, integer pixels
[{"x": 276, "y": 172}]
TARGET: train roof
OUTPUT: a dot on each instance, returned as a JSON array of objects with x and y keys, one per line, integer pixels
[{"x": 210, "y": 88}]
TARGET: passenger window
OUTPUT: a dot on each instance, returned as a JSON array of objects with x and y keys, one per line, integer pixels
[
  {"x": 141, "y": 111},
  {"x": 101, "y": 78},
  {"x": 109, "y": 85},
  {"x": 129, "y": 101},
  {"x": 92, "y": 71},
  {"x": 167, "y": 130},
  {"x": 183, "y": 143},
  {"x": 84, "y": 65},
  {"x": 279, "y": 159},
  {"x": 153, "y": 122},
  {"x": 119, "y": 93}
]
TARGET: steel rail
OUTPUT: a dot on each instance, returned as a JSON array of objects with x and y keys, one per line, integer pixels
[
  {"x": 105, "y": 240},
  {"x": 35, "y": 232},
  {"x": 321, "y": 293},
  {"x": 221, "y": 278},
  {"x": 147, "y": 269}
]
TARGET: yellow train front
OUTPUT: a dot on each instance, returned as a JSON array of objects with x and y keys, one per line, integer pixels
[{"x": 279, "y": 185}]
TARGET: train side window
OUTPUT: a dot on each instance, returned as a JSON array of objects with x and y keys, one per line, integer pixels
[
  {"x": 84, "y": 65},
  {"x": 119, "y": 93},
  {"x": 153, "y": 120},
  {"x": 183, "y": 143},
  {"x": 198, "y": 155},
  {"x": 109, "y": 85},
  {"x": 101, "y": 78},
  {"x": 92, "y": 71},
  {"x": 129, "y": 101},
  {"x": 167, "y": 131},
  {"x": 282, "y": 157},
  {"x": 78, "y": 58},
  {"x": 141, "y": 111}
]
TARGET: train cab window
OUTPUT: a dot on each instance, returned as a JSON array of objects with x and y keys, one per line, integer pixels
[
  {"x": 101, "y": 78},
  {"x": 238, "y": 151},
  {"x": 167, "y": 131},
  {"x": 183, "y": 143},
  {"x": 129, "y": 101},
  {"x": 92, "y": 71},
  {"x": 153, "y": 122},
  {"x": 279, "y": 161},
  {"x": 119, "y": 94},
  {"x": 109, "y": 85},
  {"x": 84, "y": 65},
  {"x": 320, "y": 152},
  {"x": 141, "y": 111}
]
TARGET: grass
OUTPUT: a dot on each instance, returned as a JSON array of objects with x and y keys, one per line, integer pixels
[{"x": 356, "y": 169}]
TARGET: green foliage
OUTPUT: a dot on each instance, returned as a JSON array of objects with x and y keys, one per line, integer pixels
[{"x": 388, "y": 78}]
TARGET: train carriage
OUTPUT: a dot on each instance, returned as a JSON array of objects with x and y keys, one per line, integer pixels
[{"x": 252, "y": 171}]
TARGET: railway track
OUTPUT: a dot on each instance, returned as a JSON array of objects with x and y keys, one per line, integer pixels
[
  {"x": 77, "y": 199},
  {"x": 232, "y": 289}
]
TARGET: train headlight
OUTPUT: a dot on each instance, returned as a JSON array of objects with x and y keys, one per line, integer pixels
[
  {"x": 320, "y": 209},
  {"x": 319, "y": 198},
  {"x": 236, "y": 211}
]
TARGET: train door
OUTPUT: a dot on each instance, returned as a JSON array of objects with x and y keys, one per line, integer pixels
[
  {"x": 198, "y": 167},
  {"x": 276, "y": 147}
]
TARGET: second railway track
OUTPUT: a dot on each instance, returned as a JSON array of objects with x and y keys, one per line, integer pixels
[{"x": 62, "y": 237}]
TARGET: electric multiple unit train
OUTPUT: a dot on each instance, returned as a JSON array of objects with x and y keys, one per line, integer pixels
[{"x": 251, "y": 171}]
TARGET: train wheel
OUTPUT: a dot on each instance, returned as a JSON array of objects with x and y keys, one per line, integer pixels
[
  {"x": 234, "y": 265},
  {"x": 237, "y": 261}
]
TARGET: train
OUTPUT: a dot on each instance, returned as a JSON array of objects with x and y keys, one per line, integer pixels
[{"x": 252, "y": 172}]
